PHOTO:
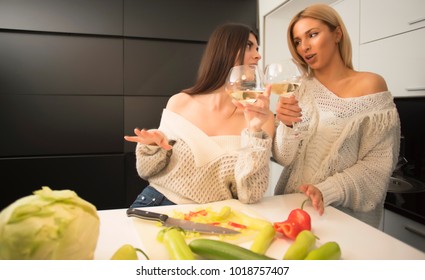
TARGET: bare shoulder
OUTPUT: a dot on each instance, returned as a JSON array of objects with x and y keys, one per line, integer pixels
[
  {"x": 369, "y": 83},
  {"x": 178, "y": 101}
]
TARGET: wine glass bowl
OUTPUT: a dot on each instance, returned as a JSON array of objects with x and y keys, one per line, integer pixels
[
  {"x": 244, "y": 83},
  {"x": 284, "y": 77}
]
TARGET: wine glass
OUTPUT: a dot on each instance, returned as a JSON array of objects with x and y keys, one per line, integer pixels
[
  {"x": 285, "y": 79},
  {"x": 244, "y": 83},
  {"x": 284, "y": 76}
]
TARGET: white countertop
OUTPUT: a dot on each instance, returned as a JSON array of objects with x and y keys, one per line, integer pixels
[{"x": 356, "y": 239}]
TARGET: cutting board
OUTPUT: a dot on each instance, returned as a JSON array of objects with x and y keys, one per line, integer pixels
[{"x": 148, "y": 230}]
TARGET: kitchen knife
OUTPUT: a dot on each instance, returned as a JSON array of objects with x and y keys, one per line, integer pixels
[{"x": 184, "y": 224}]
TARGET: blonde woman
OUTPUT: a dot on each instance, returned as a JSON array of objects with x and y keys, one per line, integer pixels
[{"x": 346, "y": 142}]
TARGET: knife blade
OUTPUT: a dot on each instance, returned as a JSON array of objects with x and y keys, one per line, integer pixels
[{"x": 173, "y": 222}]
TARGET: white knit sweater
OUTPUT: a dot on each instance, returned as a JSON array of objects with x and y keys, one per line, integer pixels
[
  {"x": 202, "y": 169},
  {"x": 348, "y": 149}
]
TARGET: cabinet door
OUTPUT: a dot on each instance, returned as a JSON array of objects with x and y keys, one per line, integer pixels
[
  {"x": 98, "y": 179},
  {"x": 184, "y": 19},
  {"x": 42, "y": 125},
  {"x": 52, "y": 64},
  {"x": 383, "y": 18},
  {"x": 404, "y": 229},
  {"x": 400, "y": 60},
  {"x": 77, "y": 16}
]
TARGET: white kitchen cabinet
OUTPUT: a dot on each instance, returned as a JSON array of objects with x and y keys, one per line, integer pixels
[
  {"x": 349, "y": 10},
  {"x": 400, "y": 60},
  {"x": 382, "y": 18},
  {"x": 404, "y": 229}
]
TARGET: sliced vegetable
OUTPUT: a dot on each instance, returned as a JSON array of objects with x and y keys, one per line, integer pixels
[
  {"x": 263, "y": 239},
  {"x": 297, "y": 221},
  {"x": 224, "y": 213},
  {"x": 175, "y": 242},
  {"x": 250, "y": 222},
  {"x": 328, "y": 251},
  {"x": 127, "y": 252},
  {"x": 302, "y": 245},
  {"x": 289, "y": 229},
  {"x": 220, "y": 250},
  {"x": 191, "y": 214},
  {"x": 236, "y": 225}
]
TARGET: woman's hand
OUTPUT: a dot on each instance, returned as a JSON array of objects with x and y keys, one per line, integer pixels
[
  {"x": 258, "y": 113},
  {"x": 288, "y": 111},
  {"x": 315, "y": 196},
  {"x": 151, "y": 137}
]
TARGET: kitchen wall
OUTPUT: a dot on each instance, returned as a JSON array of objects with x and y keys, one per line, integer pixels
[{"x": 77, "y": 75}]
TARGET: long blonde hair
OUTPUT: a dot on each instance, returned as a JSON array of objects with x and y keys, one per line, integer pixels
[{"x": 332, "y": 19}]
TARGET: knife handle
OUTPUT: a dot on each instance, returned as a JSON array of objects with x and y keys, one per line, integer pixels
[{"x": 143, "y": 214}]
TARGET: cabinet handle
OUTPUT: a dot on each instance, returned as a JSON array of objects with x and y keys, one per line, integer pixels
[
  {"x": 416, "y": 21},
  {"x": 415, "y": 231},
  {"x": 415, "y": 88}
]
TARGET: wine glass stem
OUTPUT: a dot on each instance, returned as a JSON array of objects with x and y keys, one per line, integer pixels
[{"x": 294, "y": 127}]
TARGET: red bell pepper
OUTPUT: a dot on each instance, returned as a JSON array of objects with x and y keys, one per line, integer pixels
[{"x": 298, "y": 220}]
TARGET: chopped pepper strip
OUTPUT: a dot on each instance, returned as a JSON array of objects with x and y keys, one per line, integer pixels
[
  {"x": 236, "y": 225},
  {"x": 192, "y": 214}
]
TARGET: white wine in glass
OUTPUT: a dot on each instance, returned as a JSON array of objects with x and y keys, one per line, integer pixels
[
  {"x": 244, "y": 83},
  {"x": 284, "y": 77},
  {"x": 285, "y": 88},
  {"x": 246, "y": 96}
]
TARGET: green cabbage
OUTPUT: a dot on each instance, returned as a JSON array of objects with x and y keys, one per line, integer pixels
[{"x": 48, "y": 225}]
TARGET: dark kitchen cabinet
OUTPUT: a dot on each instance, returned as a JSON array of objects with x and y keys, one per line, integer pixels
[
  {"x": 53, "y": 64},
  {"x": 191, "y": 20},
  {"x": 157, "y": 68},
  {"x": 98, "y": 179},
  {"x": 43, "y": 125},
  {"x": 68, "y": 16}
]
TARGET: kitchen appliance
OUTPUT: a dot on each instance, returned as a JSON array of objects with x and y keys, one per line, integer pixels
[{"x": 411, "y": 165}]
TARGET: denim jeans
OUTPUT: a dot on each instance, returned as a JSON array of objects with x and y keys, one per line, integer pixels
[{"x": 150, "y": 197}]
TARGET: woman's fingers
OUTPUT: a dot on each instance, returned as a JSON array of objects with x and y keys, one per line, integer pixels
[
  {"x": 315, "y": 196},
  {"x": 144, "y": 136},
  {"x": 288, "y": 110},
  {"x": 160, "y": 140},
  {"x": 131, "y": 138}
]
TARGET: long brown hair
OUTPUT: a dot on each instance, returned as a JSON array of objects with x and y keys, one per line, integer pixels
[
  {"x": 226, "y": 46},
  {"x": 332, "y": 19}
]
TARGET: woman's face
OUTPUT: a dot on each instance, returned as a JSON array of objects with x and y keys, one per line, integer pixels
[
  {"x": 252, "y": 56},
  {"x": 316, "y": 43}
]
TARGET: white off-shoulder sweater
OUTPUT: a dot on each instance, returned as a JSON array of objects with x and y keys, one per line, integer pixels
[
  {"x": 202, "y": 169},
  {"x": 347, "y": 147}
]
